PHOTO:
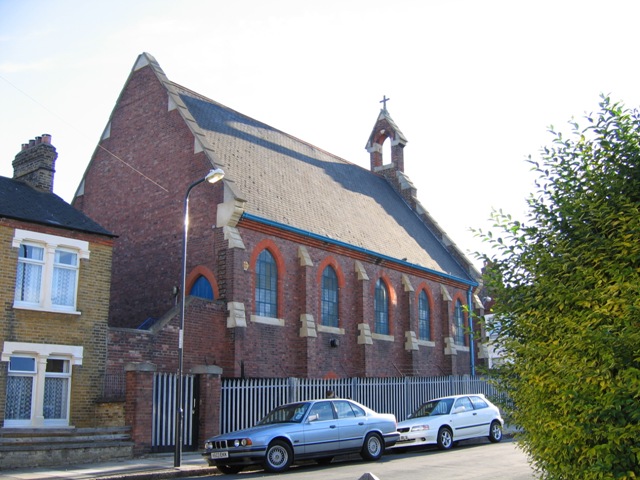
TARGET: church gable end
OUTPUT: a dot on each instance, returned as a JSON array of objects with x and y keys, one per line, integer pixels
[{"x": 284, "y": 212}]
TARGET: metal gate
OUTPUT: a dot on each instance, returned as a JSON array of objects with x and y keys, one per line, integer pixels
[{"x": 164, "y": 412}]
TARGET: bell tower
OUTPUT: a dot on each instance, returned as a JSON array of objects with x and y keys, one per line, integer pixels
[
  {"x": 391, "y": 169},
  {"x": 386, "y": 129}
]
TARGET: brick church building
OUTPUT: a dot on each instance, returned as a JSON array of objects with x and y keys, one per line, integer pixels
[{"x": 299, "y": 262}]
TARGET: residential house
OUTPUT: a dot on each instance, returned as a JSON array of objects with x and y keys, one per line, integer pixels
[{"x": 55, "y": 275}]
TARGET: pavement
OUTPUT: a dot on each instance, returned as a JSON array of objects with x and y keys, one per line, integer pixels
[
  {"x": 157, "y": 466},
  {"x": 150, "y": 467}
]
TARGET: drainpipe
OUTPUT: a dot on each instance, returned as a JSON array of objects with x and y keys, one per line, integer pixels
[{"x": 471, "y": 333}]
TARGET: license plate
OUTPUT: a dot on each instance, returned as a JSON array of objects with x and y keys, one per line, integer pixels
[{"x": 219, "y": 454}]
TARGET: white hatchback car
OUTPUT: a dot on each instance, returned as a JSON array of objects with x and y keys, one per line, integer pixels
[{"x": 446, "y": 420}]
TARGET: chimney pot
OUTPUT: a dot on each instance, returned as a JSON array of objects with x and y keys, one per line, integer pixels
[{"x": 35, "y": 163}]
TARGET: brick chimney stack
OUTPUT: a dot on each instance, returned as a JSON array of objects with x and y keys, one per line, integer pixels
[{"x": 35, "y": 164}]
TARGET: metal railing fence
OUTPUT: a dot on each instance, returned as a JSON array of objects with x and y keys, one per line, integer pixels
[{"x": 245, "y": 401}]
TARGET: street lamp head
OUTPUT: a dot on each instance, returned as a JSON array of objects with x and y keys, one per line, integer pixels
[{"x": 214, "y": 175}]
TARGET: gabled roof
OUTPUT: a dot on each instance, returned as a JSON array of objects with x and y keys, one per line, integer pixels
[
  {"x": 289, "y": 182},
  {"x": 20, "y": 201}
]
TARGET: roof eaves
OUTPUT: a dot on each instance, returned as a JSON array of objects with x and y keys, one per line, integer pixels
[
  {"x": 468, "y": 281},
  {"x": 70, "y": 228}
]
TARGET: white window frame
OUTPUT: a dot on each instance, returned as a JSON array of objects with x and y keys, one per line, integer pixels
[
  {"x": 51, "y": 244},
  {"x": 41, "y": 353},
  {"x": 63, "y": 420},
  {"x": 27, "y": 374}
]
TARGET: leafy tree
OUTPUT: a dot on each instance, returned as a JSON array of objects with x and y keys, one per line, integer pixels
[{"x": 567, "y": 312}]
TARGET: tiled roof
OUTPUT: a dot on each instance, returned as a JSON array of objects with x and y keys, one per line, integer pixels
[
  {"x": 290, "y": 182},
  {"x": 23, "y": 202}
]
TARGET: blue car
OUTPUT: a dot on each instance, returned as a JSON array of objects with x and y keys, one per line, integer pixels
[{"x": 315, "y": 429}]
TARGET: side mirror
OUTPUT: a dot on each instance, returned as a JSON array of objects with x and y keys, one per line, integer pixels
[
  {"x": 313, "y": 418},
  {"x": 459, "y": 410}
]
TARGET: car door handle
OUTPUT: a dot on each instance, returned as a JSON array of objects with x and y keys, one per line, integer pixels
[
  {"x": 332, "y": 426},
  {"x": 360, "y": 423}
]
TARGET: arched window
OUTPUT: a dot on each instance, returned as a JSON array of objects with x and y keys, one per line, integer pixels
[
  {"x": 202, "y": 288},
  {"x": 386, "y": 152},
  {"x": 459, "y": 324},
  {"x": 329, "y": 310},
  {"x": 424, "y": 317},
  {"x": 266, "y": 285},
  {"x": 381, "y": 307}
]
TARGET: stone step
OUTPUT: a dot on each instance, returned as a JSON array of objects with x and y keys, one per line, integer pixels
[{"x": 37, "y": 447}]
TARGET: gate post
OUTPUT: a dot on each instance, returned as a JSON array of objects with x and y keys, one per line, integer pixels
[
  {"x": 138, "y": 410},
  {"x": 209, "y": 401},
  {"x": 293, "y": 390}
]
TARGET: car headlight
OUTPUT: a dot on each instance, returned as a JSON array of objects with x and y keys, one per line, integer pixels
[
  {"x": 241, "y": 442},
  {"x": 208, "y": 445},
  {"x": 419, "y": 428}
]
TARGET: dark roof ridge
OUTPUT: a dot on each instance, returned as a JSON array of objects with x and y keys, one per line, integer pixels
[{"x": 22, "y": 202}]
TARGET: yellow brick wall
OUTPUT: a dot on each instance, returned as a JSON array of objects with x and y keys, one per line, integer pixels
[
  {"x": 110, "y": 414},
  {"x": 89, "y": 329}
]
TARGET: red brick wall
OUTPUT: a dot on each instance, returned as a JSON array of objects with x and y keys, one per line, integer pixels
[
  {"x": 209, "y": 425},
  {"x": 139, "y": 409},
  {"x": 272, "y": 351},
  {"x": 284, "y": 353},
  {"x": 144, "y": 207}
]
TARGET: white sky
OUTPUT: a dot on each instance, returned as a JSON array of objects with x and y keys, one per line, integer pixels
[{"x": 473, "y": 84}]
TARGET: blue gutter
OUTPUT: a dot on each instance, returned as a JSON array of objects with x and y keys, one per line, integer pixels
[
  {"x": 321, "y": 238},
  {"x": 471, "y": 333}
]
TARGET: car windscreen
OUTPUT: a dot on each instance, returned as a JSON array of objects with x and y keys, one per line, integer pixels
[
  {"x": 434, "y": 407},
  {"x": 294, "y": 412}
]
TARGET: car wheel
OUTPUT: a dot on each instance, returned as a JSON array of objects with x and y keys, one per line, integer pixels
[
  {"x": 445, "y": 438},
  {"x": 229, "y": 469},
  {"x": 373, "y": 447},
  {"x": 324, "y": 460},
  {"x": 495, "y": 432},
  {"x": 278, "y": 457}
]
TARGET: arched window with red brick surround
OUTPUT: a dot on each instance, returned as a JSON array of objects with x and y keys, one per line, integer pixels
[
  {"x": 266, "y": 285},
  {"x": 202, "y": 283},
  {"x": 458, "y": 324},
  {"x": 268, "y": 280},
  {"x": 330, "y": 280},
  {"x": 381, "y": 308},
  {"x": 330, "y": 298},
  {"x": 424, "y": 316},
  {"x": 202, "y": 288}
]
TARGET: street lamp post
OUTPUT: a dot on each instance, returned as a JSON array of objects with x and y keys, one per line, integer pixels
[{"x": 213, "y": 176}]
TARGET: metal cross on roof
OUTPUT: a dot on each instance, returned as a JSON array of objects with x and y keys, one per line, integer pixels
[{"x": 384, "y": 102}]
